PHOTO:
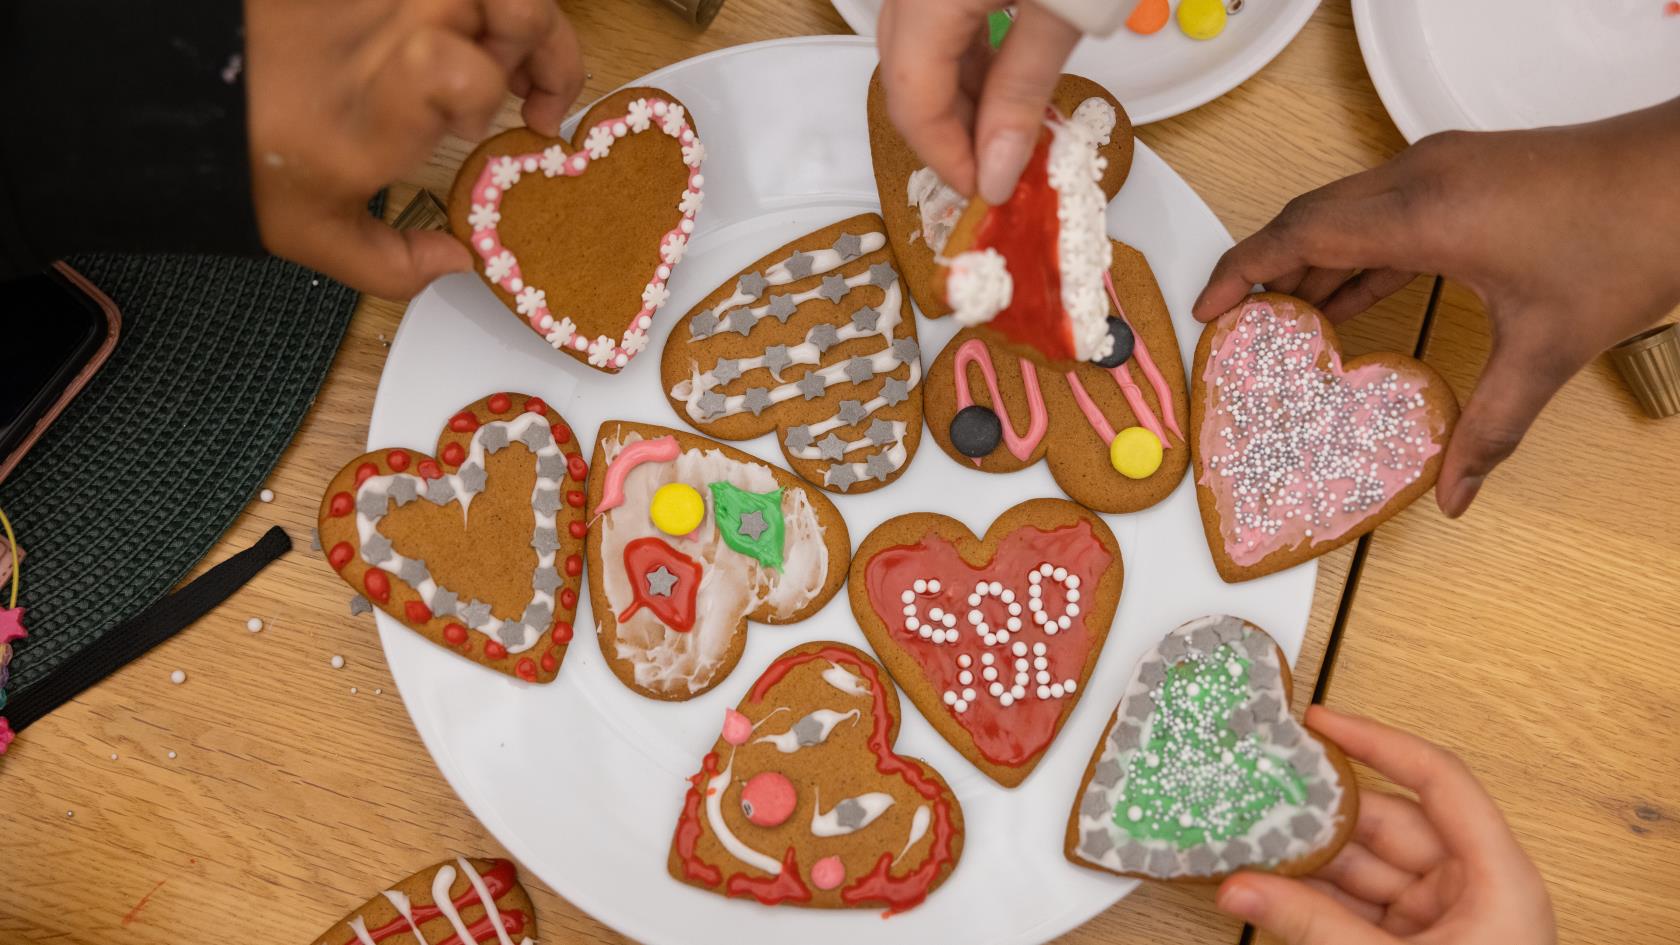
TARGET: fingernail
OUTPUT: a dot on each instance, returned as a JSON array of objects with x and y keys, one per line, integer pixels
[
  {"x": 1240, "y": 901},
  {"x": 1005, "y": 155}
]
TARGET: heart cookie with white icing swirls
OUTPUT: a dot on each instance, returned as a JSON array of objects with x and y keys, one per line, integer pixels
[
  {"x": 802, "y": 800},
  {"x": 1297, "y": 453},
  {"x": 466, "y": 901},
  {"x": 1202, "y": 771},
  {"x": 478, "y": 547},
  {"x": 580, "y": 239}
]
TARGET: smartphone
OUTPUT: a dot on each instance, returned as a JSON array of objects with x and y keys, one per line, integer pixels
[{"x": 56, "y": 328}]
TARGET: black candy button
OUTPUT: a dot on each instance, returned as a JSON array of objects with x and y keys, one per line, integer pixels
[
  {"x": 1123, "y": 341},
  {"x": 976, "y": 431}
]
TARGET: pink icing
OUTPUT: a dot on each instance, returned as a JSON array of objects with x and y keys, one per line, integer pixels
[
  {"x": 1296, "y": 450},
  {"x": 974, "y": 351},
  {"x": 502, "y": 267},
  {"x": 828, "y": 873},
  {"x": 1093, "y": 415},
  {"x": 660, "y": 449},
  {"x": 1151, "y": 373}
]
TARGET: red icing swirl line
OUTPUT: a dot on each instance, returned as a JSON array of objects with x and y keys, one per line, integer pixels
[
  {"x": 974, "y": 351},
  {"x": 1140, "y": 353}
]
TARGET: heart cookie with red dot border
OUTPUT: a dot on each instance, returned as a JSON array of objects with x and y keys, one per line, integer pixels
[
  {"x": 802, "y": 800},
  {"x": 461, "y": 900},
  {"x": 1297, "y": 453},
  {"x": 478, "y": 547},
  {"x": 579, "y": 240},
  {"x": 688, "y": 540},
  {"x": 992, "y": 638}
]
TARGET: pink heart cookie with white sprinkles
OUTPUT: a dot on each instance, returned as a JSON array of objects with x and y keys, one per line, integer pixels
[
  {"x": 1297, "y": 453},
  {"x": 580, "y": 239}
]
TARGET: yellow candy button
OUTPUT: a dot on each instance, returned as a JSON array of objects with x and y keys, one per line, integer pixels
[
  {"x": 1135, "y": 452},
  {"x": 677, "y": 509},
  {"x": 1201, "y": 19}
]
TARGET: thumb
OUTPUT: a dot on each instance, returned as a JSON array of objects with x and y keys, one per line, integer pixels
[
  {"x": 1294, "y": 911},
  {"x": 1012, "y": 101},
  {"x": 371, "y": 256},
  {"x": 1509, "y": 395}
]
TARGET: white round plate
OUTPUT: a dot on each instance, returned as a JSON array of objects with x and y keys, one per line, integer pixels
[
  {"x": 1493, "y": 65},
  {"x": 583, "y": 779},
  {"x": 1168, "y": 73}
]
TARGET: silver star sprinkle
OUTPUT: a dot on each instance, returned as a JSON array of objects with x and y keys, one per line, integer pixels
[
  {"x": 849, "y": 246},
  {"x": 881, "y": 432},
  {"x": 882, "y": 274},
  {"x": 823, "y": 337},
  {"x": 860, "y": 370},
  {"x": 812, "y": 385},
  {"x": 776, "y": 358},
  {"x": 752, "y": 285},
  {"x": 756, "y": 399},
  {"x": 711, "y": 404},
  {"x": 866, "y": 318},
  {"x": 798, "y": 266},
  {"x": 798, "y": 439},
  {"x": 851, "y": 411},
  {"x": 660, "y": 581},
  {"x": 726, "y": 370},
  {"x": 752, "y": 524},
  {"x": 831, "y": 447},
  {"x": 833, "y": 287},
  {"x": 895, "y": 391},
  {"x": 742, "y": 320},
  {"x": 841, "y": 477},
  {"x": 781, "y": 307},
  {"x": 703, "y": 324},
  {"x": 879, "y": 466}
]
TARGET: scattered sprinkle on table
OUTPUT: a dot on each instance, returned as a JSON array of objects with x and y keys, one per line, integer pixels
[
  {"x": 352, "y": 690},
  {"x": 267, "y": 495},
  {"x": 172, "y": 754},
  {"x": 178, "y": 677},
  {"x": 69, "y": 813},
  {"x": 379, "y": 692},
  {"x": 254, "y": 625},
  {"x": 338, "y": 662},
  {"x": 113, "y": 756}
]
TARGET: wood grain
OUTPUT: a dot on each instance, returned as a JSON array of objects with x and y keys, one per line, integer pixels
[{"x": 291, "y": 800}]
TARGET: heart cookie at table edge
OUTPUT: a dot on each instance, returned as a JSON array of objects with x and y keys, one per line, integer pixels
[
  {"x": 1429, "y": 408},
  {"x": 1072, "y": 430},
  {"x": 730, "y": 540},
  {"x": 894, "y": 163},
  {"x": 931, "y": 559},
  {"x": 627, "y": 188},
  {"x": 474, "y": 583},
  {"x": 1254, "y": 700},
  {"x": 821, "y": 712},
  {"x": 438, "y": 897},
  {"x": 844, "y": 307}
]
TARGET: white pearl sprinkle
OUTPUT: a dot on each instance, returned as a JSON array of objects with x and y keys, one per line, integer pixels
[
  {"x": 337, "y": 662},
  {"x": 178, "y": 677}
]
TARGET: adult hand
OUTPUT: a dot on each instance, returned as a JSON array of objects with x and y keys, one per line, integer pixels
[
  {"x": 1443, "y": 869},
  {"x": 1568, "y": 236},
  {"x": 347, "y": 95},
  {"x": 971, "y": 115}
]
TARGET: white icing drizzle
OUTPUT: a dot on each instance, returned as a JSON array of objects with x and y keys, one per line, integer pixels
[
  {"x": 366, "y": 527},
  {"x": 918, "y": 830},
  {"x": 844, "y": 680},
  {"x": 360, "y": 928},
  {"x": 978, "y": 285},
  {"x": 444, "y": 879},
  {"x": 399, "y": 901},
  {"x": 714, "y": 816},
  {"x": 940, "y": 206},
  {"x": 485, "y": 899},
  {"x": 874, "y": 805},
  {"x": 788, "y": 742},
  {"x": 1083, "y": 251}
]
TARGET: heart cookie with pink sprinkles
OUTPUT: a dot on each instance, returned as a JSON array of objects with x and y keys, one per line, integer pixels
[
  {"x": 580, "y": 239},
  {"x": 1296, "y": 452}
]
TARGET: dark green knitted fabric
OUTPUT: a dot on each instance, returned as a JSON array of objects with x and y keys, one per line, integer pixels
[{"x": 218, "y": 360}]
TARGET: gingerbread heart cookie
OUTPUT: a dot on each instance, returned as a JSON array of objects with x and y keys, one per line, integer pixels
[
  {"x": 461, "y": 900},
  {"x": 1110, "y": 434},
  {"x": 688, "y": 541},
  {"x": 993, "y": 638},
  {"x": 1297, "y": 453},
  {"x": 802, "y": 800},
  {"x": 815, "y": 341},
  {"x": 1203, "y": 772},
  {"x": 580, "y": 239},
  {"x": 479, "y": 549},
  {"x": 921, "y": 211}
]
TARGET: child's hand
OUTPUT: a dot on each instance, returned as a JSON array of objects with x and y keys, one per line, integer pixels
[
  {"x": 1568, "y": 236},
  {"x": 345, "y": 96},
  {"x": 1443, "y": 869},
  {"x": 972, "y": 116}
]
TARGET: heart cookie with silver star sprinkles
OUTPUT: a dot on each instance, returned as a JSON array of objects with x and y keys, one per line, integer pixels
[
  {"x": 1297, "y": 453},
  {"x": 1202, "y": 771},
  {"x": 477, "y": 547}
]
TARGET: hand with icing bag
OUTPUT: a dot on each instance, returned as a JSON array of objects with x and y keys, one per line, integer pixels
[
  {"x": 1566, "y": 234},
  {"x": 345, "y": 97},
  {"x": 1443, "y": 869}
]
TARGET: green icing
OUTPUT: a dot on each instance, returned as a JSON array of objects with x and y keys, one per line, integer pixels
[
  {"x": 1195, "y": 779},
  {"x": 997, "y": 26},
  {"x": 730, "y": 504}
]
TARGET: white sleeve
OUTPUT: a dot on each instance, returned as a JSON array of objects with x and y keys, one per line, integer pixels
[{"x": 1095, "y": 17}]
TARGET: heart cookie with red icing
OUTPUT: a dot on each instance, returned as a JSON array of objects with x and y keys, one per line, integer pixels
[
  {"x": 802, "y": 800},
  {"x": 579, "y": 239},
  {"x": 993, "y": 638},
  {"x": 1296, "y": 452},
  {"x": 479, "y": 547}
]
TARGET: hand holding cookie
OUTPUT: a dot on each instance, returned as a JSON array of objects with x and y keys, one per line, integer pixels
[
  {"x": 1443, "y": 868},
  {"x": 335, "y": 117}
]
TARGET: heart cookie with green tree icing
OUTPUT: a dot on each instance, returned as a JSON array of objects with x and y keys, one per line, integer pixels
[{"x": 1202, "y": 770}]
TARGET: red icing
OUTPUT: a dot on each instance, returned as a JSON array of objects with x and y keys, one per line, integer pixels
[
  {"x": 526, "y": 669},
  {"x": 574, "y": 565},
  {"x": 378, "y": 586},
  {"x": 397, "y": 460},
  {"x": 578, "y": 469},
  {"x": 499, "y": 403},
  {"x": 455, "y": 633},
  {"x": 647, "y": 555},
  {"x": 428, "y": 469},
  {"x": 1006, "y": 735},
  {"x": 574, "y": 499},
  {"x": 689, "y": 826},
  {"x": 417, "y": 612},
  {"x": 549, "y": 662},
  {"x": 454, "y": 454},
  {"x": 568, "y": 598},
  {"x": 578, "y": 529},
  {"x": 342, "y": 504},
  {"x": 562, "y": 434},
  {"x": 498, "y": 880},
  {"x": 340, "y": 555},
  {"x": 463, "y": 422},
  {"x": 494, "y": 650},
  {"x": 770, "y": 890},
  {"x": 562, "y": 632},
  {"x": 366, "y": 471},
  {"x": 535, "y": 405},
  {"x": 1024, "y": 230}
]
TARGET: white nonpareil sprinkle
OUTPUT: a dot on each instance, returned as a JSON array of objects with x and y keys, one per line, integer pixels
[
  {"x": 178, "y": 677},
  {"x": 254, "y": 625},
  {"x": 338, "y": 663},
  {"x": 267, "y": 495},
  {"x": 171, "y": 755}
]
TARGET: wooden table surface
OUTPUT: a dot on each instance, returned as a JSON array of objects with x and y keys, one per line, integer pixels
[{"x": 1539, "y": 637}]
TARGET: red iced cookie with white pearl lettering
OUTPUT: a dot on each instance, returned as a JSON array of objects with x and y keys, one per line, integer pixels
[{"x": 992, "y": 638}]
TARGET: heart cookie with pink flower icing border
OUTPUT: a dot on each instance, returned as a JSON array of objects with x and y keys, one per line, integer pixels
[
  {"x": 580, "y": 239},
  {"x": 1297, "y": 452}
]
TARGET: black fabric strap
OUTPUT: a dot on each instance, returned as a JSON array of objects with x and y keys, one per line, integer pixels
[{"x": 140, "y": 633}]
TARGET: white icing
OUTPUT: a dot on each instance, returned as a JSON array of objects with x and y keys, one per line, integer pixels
[
  {"x": 486, "y": 900},
  {"x": 1097, "y": 117},
  {"x": 874, "y": 804},
  {"x": 978, "y": 285},
  {"x": 788, "y": 742},
  {"x": 1083, "y": 252},
  {"x": 399, "y": 901},
  {"x": 715, "y": 789},
  {"x": 732, "y": 585},
  {"x": 360, "y": 928},
  {"x": 940, "y": 206},
  {"x": 822, "y": 260},
  {"x": 918, "y": 829},
  {"x": 842, "y": 679},
  {"x": 440, "y": 897}
]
